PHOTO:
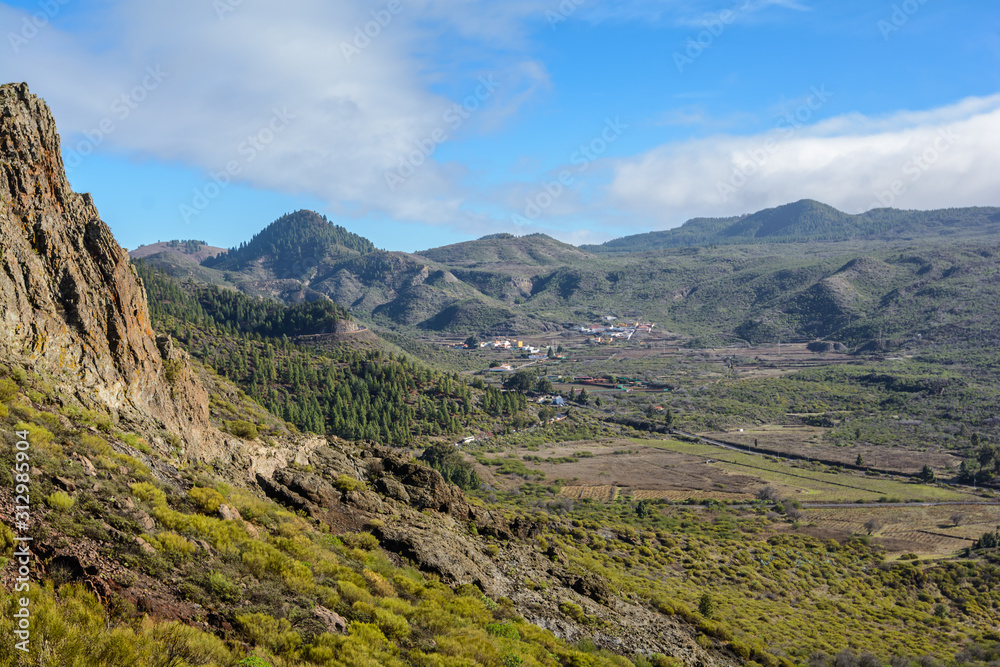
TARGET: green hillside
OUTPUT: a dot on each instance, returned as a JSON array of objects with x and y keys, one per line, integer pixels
[{"x": 507, "y": 250}]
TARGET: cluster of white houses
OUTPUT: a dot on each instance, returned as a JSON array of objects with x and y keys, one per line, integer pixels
[
  {"x": 602, "y": 334},
  {"x": 510, "y": 345}
]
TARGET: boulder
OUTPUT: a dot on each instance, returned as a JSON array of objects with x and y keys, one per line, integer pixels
[{"x": 333, "y": 621}]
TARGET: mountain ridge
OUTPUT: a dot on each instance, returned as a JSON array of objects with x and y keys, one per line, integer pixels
[{"x": 811, "y": 221}]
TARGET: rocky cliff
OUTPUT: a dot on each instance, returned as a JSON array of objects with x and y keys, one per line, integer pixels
[{"x": 73, "y": 307}]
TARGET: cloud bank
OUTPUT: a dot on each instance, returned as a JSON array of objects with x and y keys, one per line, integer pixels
[{"x": 946, "y": 157}]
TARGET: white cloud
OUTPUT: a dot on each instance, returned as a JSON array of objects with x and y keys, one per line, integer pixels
[
  {"x": 356, "y": 118},
  {"x": 226, "y": 74},
  {"x": 940, "y": 158}
]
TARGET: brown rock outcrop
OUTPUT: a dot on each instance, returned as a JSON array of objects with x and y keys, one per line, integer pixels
[{"x": 73, "y": 306}]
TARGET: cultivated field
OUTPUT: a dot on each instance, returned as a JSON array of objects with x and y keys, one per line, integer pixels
[
  {"x": 807, "y": 441},
  {"x": 812, "y": 483},
  {"x": 928, "y": 531}
]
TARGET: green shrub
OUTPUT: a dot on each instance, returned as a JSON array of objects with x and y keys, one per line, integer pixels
[
  {"x": 394, "y": 627},
  {"x": 503, "y": 630},
  {"x": 7, "y": 541},
  {"x": 224, "y": 588},
  {"x": 60, "y": 500},
  {"x": 706, "y": 605},
  {"x": 242, "y": 429},
  {"x": 172, "y": 544},
  {"x": 574, "y": 611},
  {"x": 269, "y": 632},
  {"x": 365, "y": 541},
  {"x": 37, "y": 435},
  {"x": 351, "y": 593},
  {"x": 135, "y": 442},
  {"x": 253, "y": 661},
  {"x": 20, "y": 375},
  {"x": 346, "y": 484},
  {"x": 8, "y": 390},
  {"x": 172, "y": 370},
  {"x": 151, "y": 494},
  {"x": 208, "y": 500}
]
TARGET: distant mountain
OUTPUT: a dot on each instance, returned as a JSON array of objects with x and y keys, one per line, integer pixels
[
  {"x": 508, "y": 250},
  {"x": 188, "y": 251},
  {"x": 292, "y": 243},
  {"x": 303, "y": 257},
  {"x": 812, "y": 221},
  {"x": 742, "y": 279}
]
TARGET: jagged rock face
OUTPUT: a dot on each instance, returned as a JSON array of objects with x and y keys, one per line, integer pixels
[{"x": 73, "y": 305}]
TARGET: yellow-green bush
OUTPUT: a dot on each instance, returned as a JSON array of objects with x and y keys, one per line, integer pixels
[
  {"x": 8, "y": 390},
  {"x": 172, "y": 544},
  {"x": 398, "y": 607},
  {"x": 298, "y": 577},
  {"x": 208, "y": 500},
  {"x": 135, "y": 442},
  {"x": 242, "y": 429},
  {"x": 392, "y": 626},
  {"x": 60, "y": 500},
  {"x": 378, "y": 585},
  {"x": 269, "y": 632},
  {"x": 49, "y": 421},
  {"x": 223, "y": 587},
  {"x": 573, "y": 610},
  {"x": 365, "y": 541},
  {"x": 73, "y": 630},
  {"x": 6, "y": 540},
  {"x": 328, "y": 596},
  {"x": 346, "y": 484},
  {"x": 226, "y": 536},
  {"x": 149, "y": 493},
  {"x": 263, "y": 558},
  {"x": 352, "y": 593},
  {"x": 92, "y": 445},
  {"x": 37, "y": 435},
  {"x": 99, "y": 420}
]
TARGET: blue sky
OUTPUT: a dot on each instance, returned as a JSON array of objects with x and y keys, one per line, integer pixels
[{"x": 585, "y": 120}]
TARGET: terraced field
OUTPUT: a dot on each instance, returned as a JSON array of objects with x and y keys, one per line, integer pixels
[
  {"x": 925, "y": 531},
  {"x": 812, "y": 485},
  {"x": 610, "y": 493}
]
